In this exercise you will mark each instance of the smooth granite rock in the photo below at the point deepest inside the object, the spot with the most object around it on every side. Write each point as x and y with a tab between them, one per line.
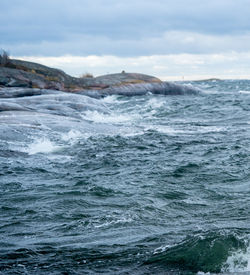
24	74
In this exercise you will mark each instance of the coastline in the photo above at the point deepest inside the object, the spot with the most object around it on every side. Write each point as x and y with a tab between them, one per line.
25	74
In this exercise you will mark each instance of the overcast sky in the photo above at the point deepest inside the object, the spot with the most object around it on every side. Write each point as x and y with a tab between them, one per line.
167	38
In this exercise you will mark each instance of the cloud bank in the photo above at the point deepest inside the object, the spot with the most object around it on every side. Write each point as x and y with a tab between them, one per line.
124	28
133	29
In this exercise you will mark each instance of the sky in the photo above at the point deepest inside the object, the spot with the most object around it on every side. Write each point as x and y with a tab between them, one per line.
170	39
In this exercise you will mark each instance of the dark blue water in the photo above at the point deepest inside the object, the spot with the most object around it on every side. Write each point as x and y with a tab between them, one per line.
126	185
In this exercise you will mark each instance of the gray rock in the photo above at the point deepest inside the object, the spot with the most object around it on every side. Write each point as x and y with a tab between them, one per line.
9	106
4	80
125	78
24	92
19	73
18	78
32	75
161	88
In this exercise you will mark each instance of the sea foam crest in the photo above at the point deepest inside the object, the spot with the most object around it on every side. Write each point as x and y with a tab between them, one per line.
42	145
110	99
71	135
239	261
155	103
107	118
244	92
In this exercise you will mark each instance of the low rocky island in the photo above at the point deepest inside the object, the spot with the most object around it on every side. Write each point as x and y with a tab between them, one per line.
24	74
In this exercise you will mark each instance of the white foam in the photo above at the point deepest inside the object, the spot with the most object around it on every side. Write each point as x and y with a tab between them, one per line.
71	135
42	146
155	103
130	132
244	92
107	118
194	130
164	129
110	99
162	248
238	262
207	129
122	220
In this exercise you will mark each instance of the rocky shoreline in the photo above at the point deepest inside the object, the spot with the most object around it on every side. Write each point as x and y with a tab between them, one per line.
24	74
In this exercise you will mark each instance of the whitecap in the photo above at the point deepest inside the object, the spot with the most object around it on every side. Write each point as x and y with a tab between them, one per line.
239	261
121	220
72	135
208	129
107	118
110	99
244	92
155	103
164	129
42	145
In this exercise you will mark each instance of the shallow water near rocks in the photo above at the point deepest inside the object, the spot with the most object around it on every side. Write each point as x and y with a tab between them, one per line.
126	185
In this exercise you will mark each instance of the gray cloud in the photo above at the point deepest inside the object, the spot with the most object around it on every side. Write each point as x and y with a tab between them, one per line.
168	43
132	27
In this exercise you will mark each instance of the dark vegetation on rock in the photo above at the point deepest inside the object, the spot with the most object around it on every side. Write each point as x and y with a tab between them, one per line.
4	59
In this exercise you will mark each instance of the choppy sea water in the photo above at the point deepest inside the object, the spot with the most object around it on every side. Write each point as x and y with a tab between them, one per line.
126	185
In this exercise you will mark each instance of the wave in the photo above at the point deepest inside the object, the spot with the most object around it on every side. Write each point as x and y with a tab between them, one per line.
221	251
194	130
73	135
244	92
42	146
239	261
98	117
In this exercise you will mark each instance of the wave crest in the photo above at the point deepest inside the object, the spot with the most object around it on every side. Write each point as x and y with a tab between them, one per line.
209	252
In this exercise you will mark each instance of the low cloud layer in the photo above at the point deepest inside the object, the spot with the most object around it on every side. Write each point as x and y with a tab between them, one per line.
167	67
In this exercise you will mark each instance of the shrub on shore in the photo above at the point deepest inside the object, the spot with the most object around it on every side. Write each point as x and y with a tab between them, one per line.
89	75
4	58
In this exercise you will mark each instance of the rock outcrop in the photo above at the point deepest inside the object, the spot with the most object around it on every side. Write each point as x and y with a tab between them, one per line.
19	73
19	78
125	78
23	74
140	89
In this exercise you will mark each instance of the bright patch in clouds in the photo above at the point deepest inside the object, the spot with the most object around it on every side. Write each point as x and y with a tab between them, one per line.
167	67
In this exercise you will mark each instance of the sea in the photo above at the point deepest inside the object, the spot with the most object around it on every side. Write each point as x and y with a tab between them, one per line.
151	184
